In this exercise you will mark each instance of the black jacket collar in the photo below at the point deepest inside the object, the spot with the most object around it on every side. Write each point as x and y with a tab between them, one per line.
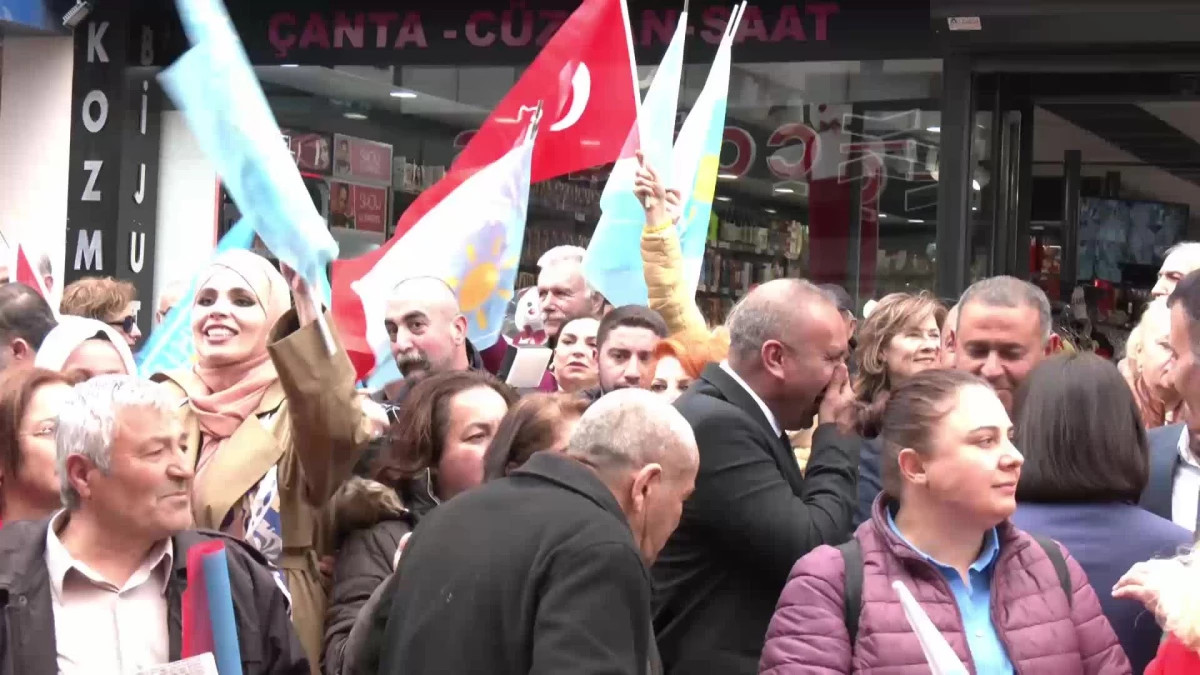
572	475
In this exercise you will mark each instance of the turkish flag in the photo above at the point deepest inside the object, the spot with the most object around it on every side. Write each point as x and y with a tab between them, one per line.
22	272
585	78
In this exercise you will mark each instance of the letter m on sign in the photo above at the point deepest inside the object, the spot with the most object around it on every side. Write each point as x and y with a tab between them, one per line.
88	253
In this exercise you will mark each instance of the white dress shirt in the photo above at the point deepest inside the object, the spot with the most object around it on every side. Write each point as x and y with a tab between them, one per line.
1185	490
102	629
766	411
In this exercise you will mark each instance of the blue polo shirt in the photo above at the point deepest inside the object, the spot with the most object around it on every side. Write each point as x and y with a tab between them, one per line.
974	603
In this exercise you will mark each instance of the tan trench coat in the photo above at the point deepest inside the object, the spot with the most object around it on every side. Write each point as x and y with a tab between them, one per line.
315	432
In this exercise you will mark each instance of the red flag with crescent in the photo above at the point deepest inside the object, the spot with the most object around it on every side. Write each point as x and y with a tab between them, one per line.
586	78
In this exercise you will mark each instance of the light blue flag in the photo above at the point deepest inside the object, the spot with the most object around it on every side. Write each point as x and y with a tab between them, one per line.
697	158
217	91
613	264
170	346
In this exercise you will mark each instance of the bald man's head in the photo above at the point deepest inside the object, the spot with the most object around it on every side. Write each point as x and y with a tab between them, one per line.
786	340
426	328
645	452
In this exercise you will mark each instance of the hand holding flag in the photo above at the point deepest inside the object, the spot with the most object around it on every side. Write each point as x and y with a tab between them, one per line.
217	91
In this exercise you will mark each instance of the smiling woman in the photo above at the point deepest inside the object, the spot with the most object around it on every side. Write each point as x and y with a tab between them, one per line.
898	340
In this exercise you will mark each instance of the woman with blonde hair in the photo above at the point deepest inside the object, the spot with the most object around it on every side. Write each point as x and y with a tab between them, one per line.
899	339
1147	354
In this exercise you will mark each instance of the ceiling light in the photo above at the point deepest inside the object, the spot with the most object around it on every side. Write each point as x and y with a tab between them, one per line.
771	211
727	176
784	191
974	208
884	215
289	65
354	116
934	130
404	94
724	199
915	220
975	185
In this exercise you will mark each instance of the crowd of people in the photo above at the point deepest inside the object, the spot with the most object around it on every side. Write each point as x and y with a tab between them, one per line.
674	498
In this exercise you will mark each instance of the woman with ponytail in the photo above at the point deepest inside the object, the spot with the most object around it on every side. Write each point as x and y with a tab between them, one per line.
1005	601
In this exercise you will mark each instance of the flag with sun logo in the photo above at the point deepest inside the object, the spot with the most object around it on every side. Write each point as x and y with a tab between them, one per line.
470	238
697	157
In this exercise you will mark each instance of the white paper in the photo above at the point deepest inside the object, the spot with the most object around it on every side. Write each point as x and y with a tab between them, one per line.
941	657
204	664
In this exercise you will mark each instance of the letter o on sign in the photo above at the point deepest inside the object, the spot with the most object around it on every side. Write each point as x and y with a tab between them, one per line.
96	123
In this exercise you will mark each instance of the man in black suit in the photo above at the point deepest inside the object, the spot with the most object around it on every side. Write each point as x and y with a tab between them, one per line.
753	514
1173	491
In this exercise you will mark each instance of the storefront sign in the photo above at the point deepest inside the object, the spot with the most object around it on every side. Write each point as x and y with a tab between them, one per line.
317	32
113	180
357	207
361	160
310	150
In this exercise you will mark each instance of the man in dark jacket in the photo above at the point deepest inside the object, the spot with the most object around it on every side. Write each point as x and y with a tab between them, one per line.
96	588
753	515
566	590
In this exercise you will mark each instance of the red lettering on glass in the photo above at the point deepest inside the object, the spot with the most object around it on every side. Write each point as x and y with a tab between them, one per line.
275	32
793	131
344	30
655	29
476	38
316	32
381	21
411	32
752	25
554	19
745	150
522	34
822	10
715	19
789	25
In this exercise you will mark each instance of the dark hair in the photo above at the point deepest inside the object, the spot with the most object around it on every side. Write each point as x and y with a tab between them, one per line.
1187	293
839	295
1072	456
17	387
532	425
630	316
907	416
24	314
419	430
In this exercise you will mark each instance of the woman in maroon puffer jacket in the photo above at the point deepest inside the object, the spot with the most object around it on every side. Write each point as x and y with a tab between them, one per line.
941	526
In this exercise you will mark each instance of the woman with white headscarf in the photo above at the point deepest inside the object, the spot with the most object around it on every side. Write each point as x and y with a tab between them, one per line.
82	348
273	424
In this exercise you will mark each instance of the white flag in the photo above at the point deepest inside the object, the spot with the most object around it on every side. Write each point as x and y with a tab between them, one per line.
941	657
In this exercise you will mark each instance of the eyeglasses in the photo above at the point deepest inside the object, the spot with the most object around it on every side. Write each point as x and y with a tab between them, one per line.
125	324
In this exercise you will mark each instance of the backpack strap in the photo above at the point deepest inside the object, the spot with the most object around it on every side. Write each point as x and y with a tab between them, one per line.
1060	565
852	590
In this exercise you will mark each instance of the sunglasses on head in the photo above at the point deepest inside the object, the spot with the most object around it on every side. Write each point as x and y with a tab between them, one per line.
125	324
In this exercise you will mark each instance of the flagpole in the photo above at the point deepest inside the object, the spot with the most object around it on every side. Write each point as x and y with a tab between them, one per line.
633	71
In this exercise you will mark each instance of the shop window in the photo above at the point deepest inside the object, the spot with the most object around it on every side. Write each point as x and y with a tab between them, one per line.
829	170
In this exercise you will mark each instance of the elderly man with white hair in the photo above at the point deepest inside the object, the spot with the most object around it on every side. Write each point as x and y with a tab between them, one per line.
545	570
96	588
563	291
1181	260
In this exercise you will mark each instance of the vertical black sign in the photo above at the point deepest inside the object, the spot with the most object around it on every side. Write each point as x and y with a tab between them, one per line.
115	134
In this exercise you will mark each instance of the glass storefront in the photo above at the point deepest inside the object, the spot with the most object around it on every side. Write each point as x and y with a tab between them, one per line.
828	169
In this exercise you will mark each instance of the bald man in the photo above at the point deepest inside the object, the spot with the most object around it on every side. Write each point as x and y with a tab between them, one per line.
565	592
427	330
753	515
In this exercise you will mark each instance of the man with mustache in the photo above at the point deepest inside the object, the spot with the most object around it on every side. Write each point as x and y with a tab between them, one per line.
96	588
427	330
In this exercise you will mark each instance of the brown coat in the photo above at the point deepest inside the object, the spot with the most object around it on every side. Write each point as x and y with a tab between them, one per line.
314	431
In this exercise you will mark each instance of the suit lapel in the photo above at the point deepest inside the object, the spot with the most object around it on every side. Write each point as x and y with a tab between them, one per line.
1164	460
736	394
